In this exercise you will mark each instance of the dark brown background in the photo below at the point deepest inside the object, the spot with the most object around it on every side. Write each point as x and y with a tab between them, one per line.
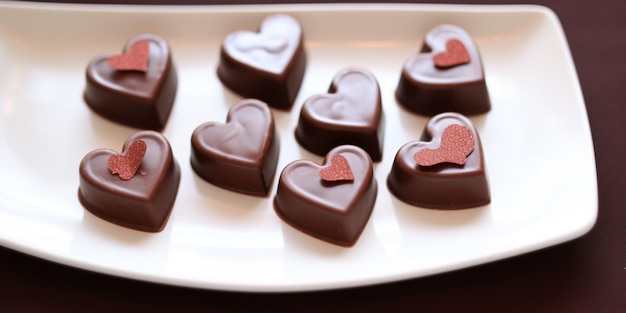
584	275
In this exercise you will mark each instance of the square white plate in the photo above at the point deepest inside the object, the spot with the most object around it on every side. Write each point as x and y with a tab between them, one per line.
536	140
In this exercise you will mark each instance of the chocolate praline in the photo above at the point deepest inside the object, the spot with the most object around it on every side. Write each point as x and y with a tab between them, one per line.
143	202
240	155
427	89
444	185
350	113
268	65
130	97
332	211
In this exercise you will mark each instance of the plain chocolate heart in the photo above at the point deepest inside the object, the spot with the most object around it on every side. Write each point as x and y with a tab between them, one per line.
444	185
333	211
270	49
240	155
350	113
268	65
143	202
140	99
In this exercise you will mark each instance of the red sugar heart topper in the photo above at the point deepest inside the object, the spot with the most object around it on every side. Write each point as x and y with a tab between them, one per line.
455	54
126	164
457	142
135	59
338	170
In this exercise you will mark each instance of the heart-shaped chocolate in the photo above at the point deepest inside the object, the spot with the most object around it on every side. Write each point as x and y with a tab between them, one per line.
268	65
144	201
333	211
240	155
350	113
120	90
446	76
445	184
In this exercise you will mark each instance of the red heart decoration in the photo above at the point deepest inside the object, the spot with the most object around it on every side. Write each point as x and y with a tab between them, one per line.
127	164
135	59
338	170
455	54
457	142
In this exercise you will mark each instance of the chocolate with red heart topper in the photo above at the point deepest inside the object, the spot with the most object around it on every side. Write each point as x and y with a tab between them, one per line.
136	88
332	202
144	197
268	65
350	113
240	155
445	169
445	76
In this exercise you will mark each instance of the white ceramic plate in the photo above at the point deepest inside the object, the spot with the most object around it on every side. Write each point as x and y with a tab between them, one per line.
536	139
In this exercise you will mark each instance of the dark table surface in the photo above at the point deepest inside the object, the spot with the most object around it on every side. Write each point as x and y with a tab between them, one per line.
587	274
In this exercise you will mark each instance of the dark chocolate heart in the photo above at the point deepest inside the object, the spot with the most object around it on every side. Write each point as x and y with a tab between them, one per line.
141	99
337	211
268	65
444	185
143	202
240	155
350	113
446	76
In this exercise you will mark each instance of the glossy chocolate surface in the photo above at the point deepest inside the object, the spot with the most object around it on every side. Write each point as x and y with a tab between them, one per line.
350	113
427	89
143	202
336	212
134	98
240	155
444	185
268	65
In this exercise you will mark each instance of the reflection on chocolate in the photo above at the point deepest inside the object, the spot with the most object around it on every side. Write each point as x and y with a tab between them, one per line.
444	185
441	79
350	113
133	97
240	155
143	202
333	211
268	65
